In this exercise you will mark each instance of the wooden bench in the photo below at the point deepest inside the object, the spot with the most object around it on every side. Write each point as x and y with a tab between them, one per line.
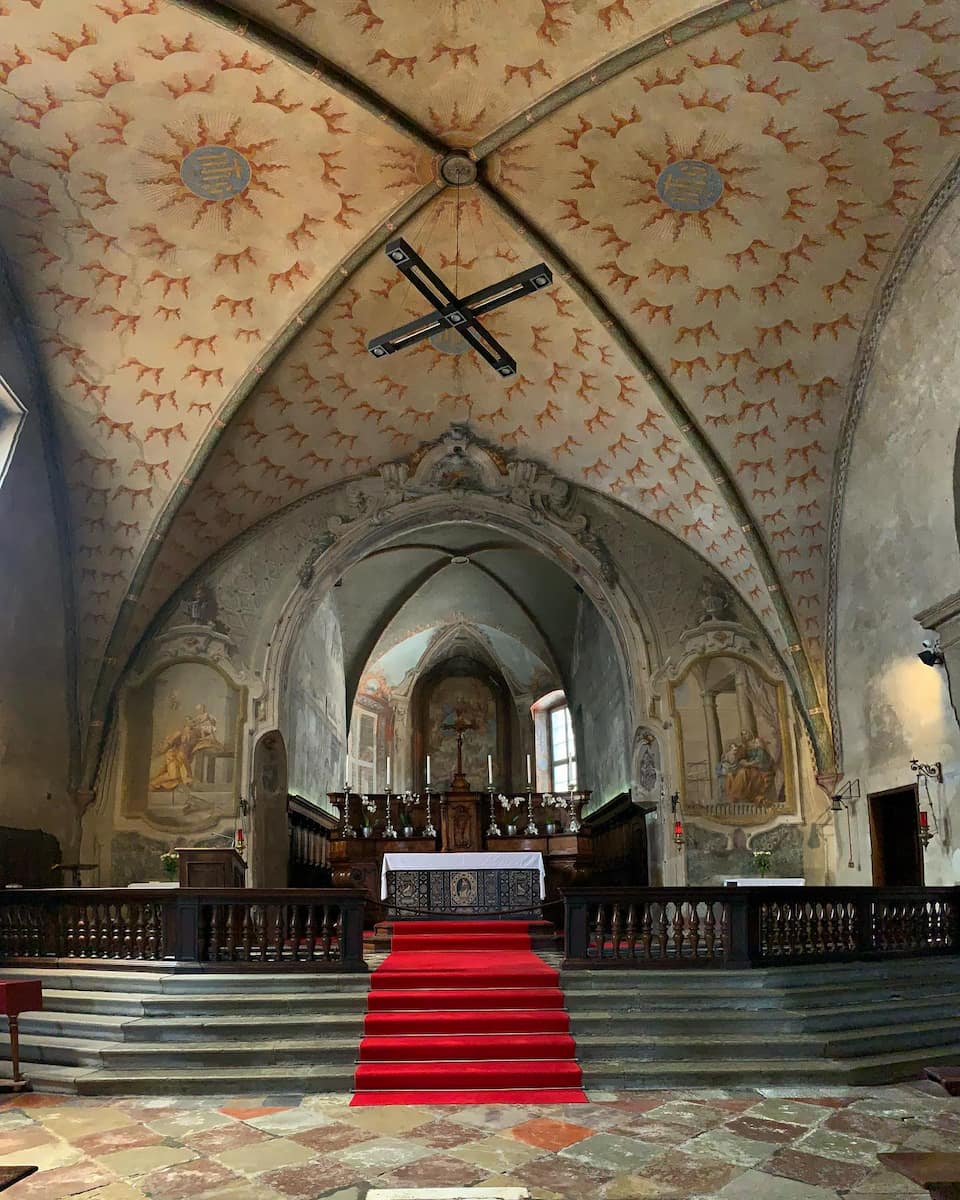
11	1175
947	1077
938	1172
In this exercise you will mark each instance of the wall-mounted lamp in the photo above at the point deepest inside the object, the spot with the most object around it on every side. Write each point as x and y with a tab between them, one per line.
926	771
931	654
677	823
841	802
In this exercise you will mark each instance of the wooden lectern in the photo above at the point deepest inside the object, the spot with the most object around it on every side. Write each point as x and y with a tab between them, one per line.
211	867
17	996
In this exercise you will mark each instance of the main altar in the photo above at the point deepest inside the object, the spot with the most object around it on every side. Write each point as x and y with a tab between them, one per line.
457	851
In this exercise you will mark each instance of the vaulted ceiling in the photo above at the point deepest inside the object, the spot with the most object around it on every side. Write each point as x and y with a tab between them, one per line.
720	191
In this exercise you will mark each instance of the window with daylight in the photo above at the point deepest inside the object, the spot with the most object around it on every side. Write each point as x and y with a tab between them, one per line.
12	414
563	750
363	750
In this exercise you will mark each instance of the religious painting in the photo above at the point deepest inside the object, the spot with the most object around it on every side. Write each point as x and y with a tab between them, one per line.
183	748
468	703
735	752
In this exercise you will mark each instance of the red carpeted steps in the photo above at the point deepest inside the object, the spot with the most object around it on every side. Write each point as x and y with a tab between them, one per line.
463	1012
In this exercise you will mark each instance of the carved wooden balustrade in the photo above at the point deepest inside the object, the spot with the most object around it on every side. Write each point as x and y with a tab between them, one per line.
716	927
224	929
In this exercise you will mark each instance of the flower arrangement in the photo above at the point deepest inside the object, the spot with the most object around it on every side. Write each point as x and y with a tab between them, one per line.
761	860
508	803
170	862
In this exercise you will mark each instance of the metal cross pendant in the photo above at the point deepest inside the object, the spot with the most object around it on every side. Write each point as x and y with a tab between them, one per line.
452	312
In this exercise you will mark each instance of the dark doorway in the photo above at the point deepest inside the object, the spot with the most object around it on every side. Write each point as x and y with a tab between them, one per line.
895	838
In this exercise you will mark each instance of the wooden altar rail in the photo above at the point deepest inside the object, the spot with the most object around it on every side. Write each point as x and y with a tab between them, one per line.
227	929
714	927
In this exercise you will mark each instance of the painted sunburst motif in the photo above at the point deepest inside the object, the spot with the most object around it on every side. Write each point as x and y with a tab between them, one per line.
213	172
689	187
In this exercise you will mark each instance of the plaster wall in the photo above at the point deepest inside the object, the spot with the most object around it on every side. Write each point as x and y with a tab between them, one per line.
313	707
34	721
899	555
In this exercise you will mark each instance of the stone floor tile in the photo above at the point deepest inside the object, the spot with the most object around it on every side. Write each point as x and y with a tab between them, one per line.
285	1101
194	1178
866	1125
242	1190
493	1116
681	1175
46	1157
880	1182
612	1152
378	1155
128	1164
181	1124
33	1100
350	1193
115	1191
58	1184
496	1153
96	1145
599	1097
328	1139
757	1129
549	1134
721	1143
290	1120
566	1178
664	1133
696	1116
224	1137
757	1185
24	1137
71	1122
304	1181
439	1171
265	1156
442	1134
389	1121
842	1146
14	1118
790	1112
814	1168
631	1187
245	1112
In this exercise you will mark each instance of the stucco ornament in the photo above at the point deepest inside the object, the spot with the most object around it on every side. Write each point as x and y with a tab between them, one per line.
459	465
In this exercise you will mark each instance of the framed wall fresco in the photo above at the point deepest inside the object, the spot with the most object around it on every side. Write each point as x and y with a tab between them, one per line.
183	728
734	747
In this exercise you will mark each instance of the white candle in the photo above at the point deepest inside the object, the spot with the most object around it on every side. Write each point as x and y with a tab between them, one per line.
489	768
388	772
428	771
348	769
528	770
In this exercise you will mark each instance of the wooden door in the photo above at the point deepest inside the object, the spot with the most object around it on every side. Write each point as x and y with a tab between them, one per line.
460	824
895	838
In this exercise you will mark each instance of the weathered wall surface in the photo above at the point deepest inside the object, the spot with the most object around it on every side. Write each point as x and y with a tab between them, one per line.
313	707
898	554
34	724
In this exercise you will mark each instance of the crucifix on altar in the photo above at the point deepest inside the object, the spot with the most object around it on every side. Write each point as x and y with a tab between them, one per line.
460	726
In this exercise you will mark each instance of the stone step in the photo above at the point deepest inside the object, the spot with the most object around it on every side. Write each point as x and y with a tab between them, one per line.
816	975
645	997
278	1080
51	1023
252	1056
207	983
282	1025
199	1005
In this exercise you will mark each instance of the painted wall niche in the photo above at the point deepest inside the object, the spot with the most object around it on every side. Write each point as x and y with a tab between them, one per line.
735	752
184	725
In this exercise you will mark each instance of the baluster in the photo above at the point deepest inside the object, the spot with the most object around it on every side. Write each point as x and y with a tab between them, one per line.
598	927
295	932
772	920
693	933
828	928
126	938
230	913
69	937
615	932
246	934
138	931
709	929
262	917
338	930
310	934
646	934
662	931
678	929
325	934
81	935
280	931
152	930
631	930
214	945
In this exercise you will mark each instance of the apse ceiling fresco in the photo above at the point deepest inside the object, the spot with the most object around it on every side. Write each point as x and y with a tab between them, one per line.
196	205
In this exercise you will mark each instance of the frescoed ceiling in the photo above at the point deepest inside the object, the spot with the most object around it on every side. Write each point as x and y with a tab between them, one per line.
195	204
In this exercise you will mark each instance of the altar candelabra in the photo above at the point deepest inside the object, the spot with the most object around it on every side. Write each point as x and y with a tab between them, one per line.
388	829
494	828
428	829
531	829
348	831
575	802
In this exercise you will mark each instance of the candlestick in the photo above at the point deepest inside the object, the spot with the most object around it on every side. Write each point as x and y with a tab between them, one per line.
494	829
531	830
428	829
388	829
490	770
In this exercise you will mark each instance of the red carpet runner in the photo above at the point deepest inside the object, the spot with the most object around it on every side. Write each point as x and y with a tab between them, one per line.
463	1012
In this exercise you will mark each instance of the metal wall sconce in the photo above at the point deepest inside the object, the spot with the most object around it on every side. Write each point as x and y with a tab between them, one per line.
926	771
841	802
677	822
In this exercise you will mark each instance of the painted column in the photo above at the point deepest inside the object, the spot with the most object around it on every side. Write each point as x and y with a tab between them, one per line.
748	721
714	740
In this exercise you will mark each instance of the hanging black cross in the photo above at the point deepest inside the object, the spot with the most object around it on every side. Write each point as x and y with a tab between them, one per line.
452	312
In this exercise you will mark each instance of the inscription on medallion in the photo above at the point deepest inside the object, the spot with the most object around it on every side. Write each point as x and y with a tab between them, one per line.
689	185
215	172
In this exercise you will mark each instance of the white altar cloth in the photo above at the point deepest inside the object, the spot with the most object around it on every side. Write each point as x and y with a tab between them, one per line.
510	860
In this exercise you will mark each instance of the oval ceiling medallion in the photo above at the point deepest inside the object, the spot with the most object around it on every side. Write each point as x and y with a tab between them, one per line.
215	172
689	185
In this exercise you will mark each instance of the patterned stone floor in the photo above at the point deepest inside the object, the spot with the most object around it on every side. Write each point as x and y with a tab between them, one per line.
750	1145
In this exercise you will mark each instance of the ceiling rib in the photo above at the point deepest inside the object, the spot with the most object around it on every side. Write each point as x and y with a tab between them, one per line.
544	245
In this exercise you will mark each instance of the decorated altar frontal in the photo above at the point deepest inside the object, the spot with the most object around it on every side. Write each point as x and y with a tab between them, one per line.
438	885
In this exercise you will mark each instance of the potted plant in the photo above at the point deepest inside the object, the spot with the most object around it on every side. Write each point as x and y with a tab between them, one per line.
404	818
761	860
170	862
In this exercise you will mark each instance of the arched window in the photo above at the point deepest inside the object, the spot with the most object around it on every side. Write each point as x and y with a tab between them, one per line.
12	414
563	749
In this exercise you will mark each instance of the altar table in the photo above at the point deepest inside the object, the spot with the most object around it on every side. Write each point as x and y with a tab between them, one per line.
463	884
